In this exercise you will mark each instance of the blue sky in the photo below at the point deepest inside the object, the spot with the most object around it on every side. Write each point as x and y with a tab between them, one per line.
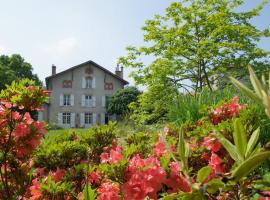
68	32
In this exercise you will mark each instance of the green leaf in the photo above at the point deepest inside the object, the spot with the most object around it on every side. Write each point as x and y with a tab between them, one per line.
181	145
89	193
232	150
252	142
203	173
245	90
214	185
239	137
255	82
250	164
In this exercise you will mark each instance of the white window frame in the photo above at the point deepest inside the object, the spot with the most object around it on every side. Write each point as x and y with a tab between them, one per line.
88	118
88	82
66	118
66	100
88	99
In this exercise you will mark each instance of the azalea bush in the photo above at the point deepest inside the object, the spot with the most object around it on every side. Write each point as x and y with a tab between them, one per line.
219	156
20	135
175	164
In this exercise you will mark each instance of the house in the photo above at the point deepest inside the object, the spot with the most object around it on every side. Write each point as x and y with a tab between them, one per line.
78	95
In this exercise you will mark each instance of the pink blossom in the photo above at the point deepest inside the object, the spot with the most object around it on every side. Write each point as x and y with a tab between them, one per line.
108	191
35	190
211	144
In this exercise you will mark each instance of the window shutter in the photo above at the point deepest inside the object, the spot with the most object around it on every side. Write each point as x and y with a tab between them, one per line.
102	118
94	118
83	82
61	100
93	101
72	100
59	119
83	100
94	82
82	119
103	101
72	120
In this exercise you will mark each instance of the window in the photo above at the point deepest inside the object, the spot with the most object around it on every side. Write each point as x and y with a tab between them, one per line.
88	118
66	100
66	118
88	82
88	100
67	84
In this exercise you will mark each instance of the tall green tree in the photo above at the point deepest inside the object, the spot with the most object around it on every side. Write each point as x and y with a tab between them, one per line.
14	67
118	103
197	43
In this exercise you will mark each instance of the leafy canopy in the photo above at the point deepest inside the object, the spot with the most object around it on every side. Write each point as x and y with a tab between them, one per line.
198	42
118	103
14	68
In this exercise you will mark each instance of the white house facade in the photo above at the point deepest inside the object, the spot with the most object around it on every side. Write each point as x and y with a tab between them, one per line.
78	95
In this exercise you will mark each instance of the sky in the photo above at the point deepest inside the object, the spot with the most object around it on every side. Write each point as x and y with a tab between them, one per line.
67	32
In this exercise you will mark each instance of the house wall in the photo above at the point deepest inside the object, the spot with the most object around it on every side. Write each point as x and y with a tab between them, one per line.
76	75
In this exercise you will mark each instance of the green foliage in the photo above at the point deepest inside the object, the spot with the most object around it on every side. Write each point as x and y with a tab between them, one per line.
62	151
100	136
152	105
248	155
118	103
262	90
142	142
89	193
14	68
69	148
198	41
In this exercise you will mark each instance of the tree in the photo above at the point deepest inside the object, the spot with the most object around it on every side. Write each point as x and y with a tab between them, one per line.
118	103
198	43
13	68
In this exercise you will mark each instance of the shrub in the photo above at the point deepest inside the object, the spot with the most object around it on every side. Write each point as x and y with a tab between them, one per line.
20	135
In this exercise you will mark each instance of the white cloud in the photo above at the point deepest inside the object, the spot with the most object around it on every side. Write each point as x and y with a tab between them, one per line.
62	47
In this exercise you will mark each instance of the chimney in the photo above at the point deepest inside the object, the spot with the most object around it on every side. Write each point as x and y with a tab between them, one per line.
53	69
119	72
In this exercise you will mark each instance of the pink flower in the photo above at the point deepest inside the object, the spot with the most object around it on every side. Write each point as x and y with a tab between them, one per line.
108	191
16	115
211	144
144	178
216	163
21	130
115	156
35	190
28	118
176	180
160	149
58	175
94	177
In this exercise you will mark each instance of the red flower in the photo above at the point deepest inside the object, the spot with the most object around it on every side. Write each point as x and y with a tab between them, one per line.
160	149
21	130
144	178
28	118
94	177
108	191
216	163
115	156
176	180
211	144
58	175
35	190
